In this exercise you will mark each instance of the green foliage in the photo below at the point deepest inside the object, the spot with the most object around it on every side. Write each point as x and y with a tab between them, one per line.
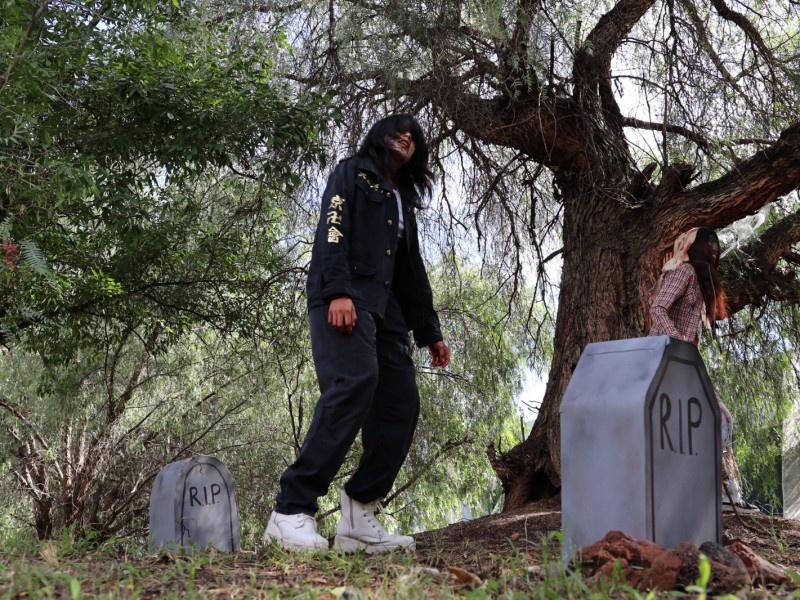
472	404
700	587
754	372
62	568
119	125
145	156
463	409
99	430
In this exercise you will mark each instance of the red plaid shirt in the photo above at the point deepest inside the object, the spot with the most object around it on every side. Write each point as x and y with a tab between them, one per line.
678	307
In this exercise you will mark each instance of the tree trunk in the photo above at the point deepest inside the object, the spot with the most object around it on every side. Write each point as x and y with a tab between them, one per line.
607	274
612	254
599	300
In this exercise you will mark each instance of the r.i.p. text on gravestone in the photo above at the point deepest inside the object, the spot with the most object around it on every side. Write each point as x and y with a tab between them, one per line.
684	452
193	505
640	445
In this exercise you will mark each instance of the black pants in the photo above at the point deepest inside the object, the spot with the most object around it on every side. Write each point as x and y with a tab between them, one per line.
367	381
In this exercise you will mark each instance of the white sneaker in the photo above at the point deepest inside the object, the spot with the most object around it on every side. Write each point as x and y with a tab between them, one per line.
358	529
294	532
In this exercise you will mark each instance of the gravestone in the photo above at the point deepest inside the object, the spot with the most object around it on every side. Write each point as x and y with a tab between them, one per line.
193	504
790	476
640	445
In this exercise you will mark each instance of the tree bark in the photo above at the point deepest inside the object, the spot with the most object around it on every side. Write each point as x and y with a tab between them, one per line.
501	87
610	268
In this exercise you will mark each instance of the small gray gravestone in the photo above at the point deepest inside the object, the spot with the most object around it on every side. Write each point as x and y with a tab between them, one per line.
791	463
640	445
193	504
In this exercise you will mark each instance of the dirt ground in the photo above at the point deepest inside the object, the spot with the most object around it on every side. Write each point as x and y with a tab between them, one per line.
458	556
473	544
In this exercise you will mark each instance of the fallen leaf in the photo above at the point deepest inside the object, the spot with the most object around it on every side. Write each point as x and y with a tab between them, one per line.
465	577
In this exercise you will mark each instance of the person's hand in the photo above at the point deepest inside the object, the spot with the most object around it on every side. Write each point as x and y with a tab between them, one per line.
440	354
667	258
342	315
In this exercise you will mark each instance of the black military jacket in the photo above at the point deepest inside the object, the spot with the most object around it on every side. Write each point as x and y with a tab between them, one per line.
357	252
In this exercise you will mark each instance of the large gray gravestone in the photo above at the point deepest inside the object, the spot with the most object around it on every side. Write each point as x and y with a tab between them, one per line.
791	463
640	445
193	504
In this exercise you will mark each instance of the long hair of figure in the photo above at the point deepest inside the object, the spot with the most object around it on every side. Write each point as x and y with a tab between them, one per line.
704	256
414	179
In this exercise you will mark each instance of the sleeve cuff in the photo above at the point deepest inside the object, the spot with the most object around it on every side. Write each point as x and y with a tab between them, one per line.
424	339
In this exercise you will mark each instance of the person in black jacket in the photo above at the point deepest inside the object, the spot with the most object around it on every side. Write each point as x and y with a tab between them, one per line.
367	288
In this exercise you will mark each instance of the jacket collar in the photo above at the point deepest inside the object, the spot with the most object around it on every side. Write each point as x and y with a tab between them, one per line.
366	164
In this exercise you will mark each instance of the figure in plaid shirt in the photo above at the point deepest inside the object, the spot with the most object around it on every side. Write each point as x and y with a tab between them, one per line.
688	295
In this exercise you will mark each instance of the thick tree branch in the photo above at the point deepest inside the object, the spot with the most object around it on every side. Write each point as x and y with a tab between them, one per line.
745	25
612	28
754	274
754	183
592	67
695	137
544	130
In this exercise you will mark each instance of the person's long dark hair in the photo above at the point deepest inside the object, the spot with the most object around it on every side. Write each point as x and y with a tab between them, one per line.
414	179
704	257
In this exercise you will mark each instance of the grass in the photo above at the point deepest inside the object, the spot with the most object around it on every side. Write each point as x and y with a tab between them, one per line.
68	569
62	569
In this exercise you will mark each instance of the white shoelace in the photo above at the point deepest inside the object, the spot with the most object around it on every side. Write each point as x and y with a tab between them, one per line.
303	519
370	508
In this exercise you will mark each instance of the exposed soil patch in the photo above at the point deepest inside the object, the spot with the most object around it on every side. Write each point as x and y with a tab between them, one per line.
509	548
483	542
480	545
